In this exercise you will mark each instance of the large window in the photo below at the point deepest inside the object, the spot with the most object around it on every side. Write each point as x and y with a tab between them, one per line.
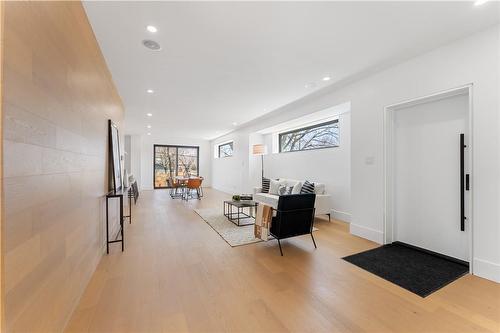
226	149
173	161
324	135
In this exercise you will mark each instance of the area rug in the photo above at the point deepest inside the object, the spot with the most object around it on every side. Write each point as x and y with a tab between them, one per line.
231	233
416	270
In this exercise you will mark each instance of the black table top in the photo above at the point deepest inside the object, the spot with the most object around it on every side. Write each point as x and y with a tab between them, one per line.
242	203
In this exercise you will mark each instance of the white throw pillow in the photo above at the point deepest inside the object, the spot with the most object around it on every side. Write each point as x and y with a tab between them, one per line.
274	186
296	188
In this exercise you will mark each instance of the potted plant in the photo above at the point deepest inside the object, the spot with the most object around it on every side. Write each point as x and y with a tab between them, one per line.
236	197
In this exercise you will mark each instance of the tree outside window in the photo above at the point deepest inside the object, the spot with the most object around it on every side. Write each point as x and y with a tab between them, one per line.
324	135
226	149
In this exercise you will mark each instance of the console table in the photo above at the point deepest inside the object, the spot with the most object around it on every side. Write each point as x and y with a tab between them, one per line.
119	195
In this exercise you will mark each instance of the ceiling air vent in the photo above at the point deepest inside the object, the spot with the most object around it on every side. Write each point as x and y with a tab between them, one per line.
151	44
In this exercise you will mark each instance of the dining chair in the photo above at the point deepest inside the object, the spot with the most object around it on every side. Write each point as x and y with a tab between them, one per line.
174	188
201	187
193	184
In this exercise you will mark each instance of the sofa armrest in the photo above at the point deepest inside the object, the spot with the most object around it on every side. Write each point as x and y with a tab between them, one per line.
323	204
257	190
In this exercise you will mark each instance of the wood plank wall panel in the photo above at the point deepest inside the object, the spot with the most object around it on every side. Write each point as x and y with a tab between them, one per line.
2	321
58	95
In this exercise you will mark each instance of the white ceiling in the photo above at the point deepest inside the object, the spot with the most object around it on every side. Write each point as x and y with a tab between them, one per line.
231	62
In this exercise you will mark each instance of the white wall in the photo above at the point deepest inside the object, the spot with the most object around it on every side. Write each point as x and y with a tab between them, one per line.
230	174
135	158
470	60
241	172
331	166
146	157
126	157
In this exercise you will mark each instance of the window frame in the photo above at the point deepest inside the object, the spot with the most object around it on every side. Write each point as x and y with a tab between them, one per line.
231	143
176	162
321	124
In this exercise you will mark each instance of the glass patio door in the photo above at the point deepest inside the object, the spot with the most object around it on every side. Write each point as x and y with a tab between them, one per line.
172	161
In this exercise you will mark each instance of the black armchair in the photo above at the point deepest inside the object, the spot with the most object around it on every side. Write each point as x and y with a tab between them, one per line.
294	217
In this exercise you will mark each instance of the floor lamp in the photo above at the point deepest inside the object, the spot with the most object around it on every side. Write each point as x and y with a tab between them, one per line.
260	149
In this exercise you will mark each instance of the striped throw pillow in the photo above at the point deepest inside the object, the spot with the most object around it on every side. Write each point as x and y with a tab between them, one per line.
266	182
307	187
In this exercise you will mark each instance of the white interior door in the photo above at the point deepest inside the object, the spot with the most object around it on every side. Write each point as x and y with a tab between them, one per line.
426	179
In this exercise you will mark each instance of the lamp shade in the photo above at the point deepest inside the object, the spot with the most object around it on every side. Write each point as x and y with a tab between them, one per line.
259	149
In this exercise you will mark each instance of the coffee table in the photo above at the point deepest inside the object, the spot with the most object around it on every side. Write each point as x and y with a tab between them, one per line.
239	214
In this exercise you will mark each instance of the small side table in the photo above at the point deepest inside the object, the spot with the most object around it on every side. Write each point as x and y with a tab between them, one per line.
240	206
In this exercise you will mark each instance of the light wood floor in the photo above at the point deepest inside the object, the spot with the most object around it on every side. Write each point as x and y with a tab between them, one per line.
178	275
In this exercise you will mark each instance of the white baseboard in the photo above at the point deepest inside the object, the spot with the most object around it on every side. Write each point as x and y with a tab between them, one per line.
486	269
342	216
223	189
367	233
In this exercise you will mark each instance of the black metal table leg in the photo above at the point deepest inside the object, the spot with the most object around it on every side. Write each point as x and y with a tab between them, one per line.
238	218
121	221
130	207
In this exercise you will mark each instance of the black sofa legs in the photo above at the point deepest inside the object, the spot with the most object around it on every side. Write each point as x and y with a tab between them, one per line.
329	217
314	242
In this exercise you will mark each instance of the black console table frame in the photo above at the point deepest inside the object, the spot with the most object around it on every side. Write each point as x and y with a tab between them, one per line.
118	194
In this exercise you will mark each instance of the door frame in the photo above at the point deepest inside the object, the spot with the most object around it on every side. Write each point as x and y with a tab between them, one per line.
389	160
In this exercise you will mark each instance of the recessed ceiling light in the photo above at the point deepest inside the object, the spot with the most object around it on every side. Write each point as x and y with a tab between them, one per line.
150	91
149	114
151	28
327	78
480	2
149	133
151	44
235	123
149	126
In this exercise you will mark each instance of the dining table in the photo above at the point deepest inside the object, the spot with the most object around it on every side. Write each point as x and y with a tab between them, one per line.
182	181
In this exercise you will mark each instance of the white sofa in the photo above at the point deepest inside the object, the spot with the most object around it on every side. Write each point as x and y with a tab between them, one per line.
321	205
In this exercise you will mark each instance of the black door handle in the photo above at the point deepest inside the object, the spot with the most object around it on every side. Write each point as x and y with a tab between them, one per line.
462	178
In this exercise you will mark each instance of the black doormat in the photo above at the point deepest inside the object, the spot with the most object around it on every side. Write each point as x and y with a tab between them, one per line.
419	271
